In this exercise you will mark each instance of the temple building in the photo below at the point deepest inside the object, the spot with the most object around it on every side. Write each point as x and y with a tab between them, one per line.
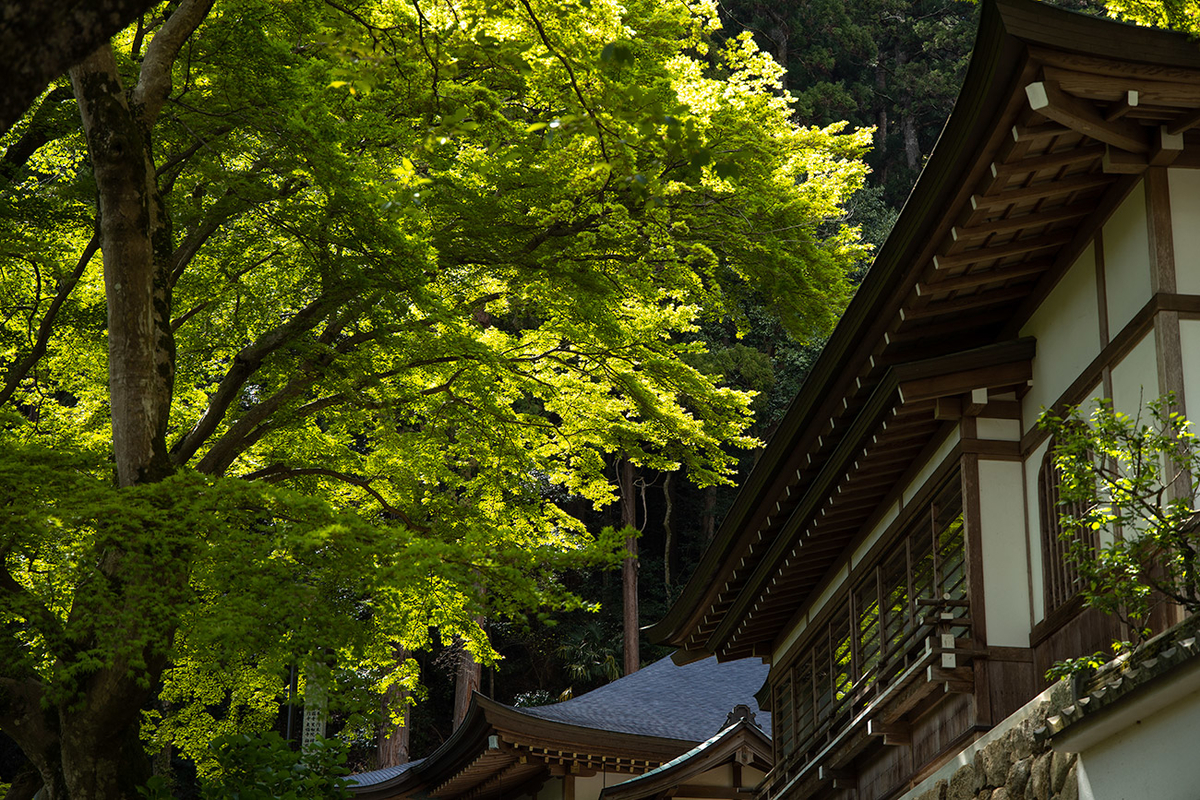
895	553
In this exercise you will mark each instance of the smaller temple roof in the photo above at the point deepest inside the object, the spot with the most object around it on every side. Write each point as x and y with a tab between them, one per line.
631	725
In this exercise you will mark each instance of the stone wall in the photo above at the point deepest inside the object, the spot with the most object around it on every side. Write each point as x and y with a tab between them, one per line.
1020	765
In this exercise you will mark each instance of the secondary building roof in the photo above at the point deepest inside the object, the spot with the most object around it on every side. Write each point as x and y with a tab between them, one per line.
631	726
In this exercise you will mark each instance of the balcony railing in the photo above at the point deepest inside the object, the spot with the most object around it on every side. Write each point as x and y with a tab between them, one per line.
930	657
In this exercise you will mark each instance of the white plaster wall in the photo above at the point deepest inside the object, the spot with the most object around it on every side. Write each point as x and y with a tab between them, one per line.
1189	335
721	775
1135	378
1004	430
1067	328
1185	212
1005	573
916	484
1126	260
1033	527
1153	758
888	518
589	788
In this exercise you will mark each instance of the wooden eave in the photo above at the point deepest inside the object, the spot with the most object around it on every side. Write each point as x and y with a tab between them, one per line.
742	743
1059	115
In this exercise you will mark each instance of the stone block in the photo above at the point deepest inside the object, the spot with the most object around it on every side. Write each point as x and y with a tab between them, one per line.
938	792
997	760
1060	765
1070	789
1038	787
1020	742
1018	777
962	783
1001	793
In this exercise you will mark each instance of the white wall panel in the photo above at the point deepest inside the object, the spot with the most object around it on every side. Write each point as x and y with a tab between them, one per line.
1005	573
1189	336
1033	527
1126	260
1067	328
1185	224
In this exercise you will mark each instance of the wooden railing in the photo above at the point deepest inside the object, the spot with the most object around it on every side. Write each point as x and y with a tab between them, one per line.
929	657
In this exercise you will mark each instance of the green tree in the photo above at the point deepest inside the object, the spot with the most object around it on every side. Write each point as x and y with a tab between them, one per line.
379	283
1129	508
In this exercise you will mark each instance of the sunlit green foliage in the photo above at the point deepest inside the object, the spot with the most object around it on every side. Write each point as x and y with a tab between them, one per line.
434	263
1131	480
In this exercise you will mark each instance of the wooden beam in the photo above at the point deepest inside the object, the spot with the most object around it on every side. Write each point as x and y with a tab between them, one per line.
947	408
963	382
952	326
711	792
1063	158
840	778
962	303
1006	250
1046	98
1165	148
1122	162
970	280
1025	133
1184	122
1039	191
1122	106
893	735
1015	224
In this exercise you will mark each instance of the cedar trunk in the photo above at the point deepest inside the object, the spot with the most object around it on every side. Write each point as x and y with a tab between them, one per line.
629	570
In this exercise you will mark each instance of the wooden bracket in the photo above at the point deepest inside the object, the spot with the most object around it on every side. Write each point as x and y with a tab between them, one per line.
894	734
1049	100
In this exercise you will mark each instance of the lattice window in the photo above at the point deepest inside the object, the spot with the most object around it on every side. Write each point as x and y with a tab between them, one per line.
1060	571
785	726
876	629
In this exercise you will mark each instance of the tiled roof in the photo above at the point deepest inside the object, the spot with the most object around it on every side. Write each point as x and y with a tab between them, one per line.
690	702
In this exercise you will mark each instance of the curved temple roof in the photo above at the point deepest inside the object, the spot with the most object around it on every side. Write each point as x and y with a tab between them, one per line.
1059	116
632	725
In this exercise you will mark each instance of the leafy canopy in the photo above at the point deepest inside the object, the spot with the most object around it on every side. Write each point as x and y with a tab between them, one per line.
431	264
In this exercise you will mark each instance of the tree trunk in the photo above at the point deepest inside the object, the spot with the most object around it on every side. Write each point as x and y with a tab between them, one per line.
85	743
908	122
135	238
470	675
708	519
881	116
393	740
629	569
668	534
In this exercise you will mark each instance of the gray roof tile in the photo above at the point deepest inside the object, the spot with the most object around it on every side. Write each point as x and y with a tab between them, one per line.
690	702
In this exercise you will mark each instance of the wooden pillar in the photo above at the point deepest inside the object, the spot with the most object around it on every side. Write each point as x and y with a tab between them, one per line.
973	546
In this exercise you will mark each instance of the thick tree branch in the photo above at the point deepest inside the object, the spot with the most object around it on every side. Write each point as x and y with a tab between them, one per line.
46	328
244	365
278	472
53	119
154	80
39	41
